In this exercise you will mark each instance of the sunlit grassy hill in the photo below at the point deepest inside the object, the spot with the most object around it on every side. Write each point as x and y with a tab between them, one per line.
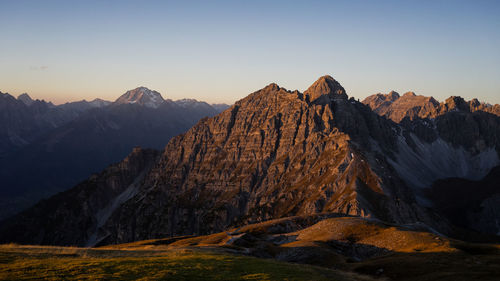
320	247
155	263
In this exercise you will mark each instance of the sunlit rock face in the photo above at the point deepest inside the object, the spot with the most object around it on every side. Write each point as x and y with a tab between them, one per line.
412	106
325	89
279	153
448	152
456	138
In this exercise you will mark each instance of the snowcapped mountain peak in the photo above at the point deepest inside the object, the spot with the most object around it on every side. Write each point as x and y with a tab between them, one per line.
142	96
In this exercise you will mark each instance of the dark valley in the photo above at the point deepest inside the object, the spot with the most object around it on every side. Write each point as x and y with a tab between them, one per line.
48	148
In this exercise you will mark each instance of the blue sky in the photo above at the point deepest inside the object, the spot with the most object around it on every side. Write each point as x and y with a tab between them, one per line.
220	51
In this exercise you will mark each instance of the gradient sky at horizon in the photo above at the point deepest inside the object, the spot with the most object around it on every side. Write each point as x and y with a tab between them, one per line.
220	51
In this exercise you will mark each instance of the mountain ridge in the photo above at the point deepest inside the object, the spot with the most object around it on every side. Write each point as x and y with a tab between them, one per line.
279	153
58	146
396	107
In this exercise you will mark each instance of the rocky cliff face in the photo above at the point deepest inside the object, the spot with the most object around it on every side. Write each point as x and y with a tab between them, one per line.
73	217
412	106
396	107
273	154
279	153
459	183
465	135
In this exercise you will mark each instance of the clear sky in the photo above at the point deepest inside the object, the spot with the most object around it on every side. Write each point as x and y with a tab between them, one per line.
220	51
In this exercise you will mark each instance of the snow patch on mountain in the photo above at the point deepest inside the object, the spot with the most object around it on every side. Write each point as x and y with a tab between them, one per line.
142	96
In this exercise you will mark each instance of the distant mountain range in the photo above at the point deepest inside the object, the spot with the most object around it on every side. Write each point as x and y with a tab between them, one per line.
45	148
23	120
412	106
280	153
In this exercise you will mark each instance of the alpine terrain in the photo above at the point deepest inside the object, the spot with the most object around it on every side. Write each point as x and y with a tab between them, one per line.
50	148
280	153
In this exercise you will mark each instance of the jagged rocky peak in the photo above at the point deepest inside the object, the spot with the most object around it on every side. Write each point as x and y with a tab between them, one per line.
273	154
271	87
397	107
142	96
324	89
419	99
270	90
474	103
26	99
375	101
456	103
393	95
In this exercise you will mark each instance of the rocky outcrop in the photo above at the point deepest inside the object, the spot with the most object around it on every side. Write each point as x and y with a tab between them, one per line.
279	153
414	106
397	107
324	90
468	125
273	154
73	217
459	182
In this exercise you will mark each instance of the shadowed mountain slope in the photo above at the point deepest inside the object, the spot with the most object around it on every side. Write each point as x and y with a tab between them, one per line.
273	154
100	135
24	120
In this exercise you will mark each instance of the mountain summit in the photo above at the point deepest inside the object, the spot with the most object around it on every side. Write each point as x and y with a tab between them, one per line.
142	96
414	106
273	154
26	99
325	88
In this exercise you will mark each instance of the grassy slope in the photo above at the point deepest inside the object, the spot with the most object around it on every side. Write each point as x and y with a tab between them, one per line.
399	254
410	254
66	263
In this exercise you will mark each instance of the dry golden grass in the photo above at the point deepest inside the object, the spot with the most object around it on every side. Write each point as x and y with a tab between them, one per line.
400	254
361	231
68	263
384	252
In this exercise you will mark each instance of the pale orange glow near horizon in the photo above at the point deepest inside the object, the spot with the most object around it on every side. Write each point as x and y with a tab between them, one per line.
64	52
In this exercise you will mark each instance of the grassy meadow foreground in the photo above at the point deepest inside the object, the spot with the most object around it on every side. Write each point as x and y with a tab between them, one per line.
322	247
155	263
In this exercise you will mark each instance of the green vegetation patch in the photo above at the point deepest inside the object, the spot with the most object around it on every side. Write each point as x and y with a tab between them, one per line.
59	263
